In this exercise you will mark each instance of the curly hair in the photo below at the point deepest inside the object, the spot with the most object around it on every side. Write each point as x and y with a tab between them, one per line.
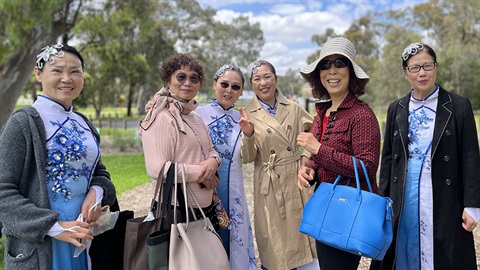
179	61
356	86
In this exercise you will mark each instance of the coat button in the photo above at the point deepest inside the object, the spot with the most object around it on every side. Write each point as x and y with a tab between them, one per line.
395	133
272	151
269	130
395	179
448	132
395	156
446	158
289	148
289	127
448	182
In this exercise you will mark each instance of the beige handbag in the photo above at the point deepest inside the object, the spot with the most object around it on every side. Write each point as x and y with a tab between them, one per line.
194	244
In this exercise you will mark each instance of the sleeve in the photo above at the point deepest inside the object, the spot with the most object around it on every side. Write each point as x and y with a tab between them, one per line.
101	178
307	120
249	148
386	164
23	218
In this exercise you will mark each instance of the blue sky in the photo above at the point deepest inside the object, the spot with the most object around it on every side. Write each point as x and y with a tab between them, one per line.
289	25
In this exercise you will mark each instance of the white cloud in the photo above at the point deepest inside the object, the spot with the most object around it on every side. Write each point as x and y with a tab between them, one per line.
288	26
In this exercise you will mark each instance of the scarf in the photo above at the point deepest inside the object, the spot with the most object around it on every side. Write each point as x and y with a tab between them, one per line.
163	99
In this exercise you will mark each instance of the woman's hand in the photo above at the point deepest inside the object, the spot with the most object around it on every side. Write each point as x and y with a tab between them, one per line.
305	174
90	209
309	142
468	222
245	124
207	174
74	233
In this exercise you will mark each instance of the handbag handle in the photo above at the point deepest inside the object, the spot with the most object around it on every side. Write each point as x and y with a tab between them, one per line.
187	190
357	177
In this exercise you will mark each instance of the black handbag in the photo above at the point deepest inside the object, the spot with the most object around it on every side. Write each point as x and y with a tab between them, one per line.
106	250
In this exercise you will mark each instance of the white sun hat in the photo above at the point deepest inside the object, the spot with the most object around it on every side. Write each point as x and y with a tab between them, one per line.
337	45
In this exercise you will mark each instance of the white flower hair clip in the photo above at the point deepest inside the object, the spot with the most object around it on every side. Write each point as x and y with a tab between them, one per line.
47	52
412	49
224	68
256	65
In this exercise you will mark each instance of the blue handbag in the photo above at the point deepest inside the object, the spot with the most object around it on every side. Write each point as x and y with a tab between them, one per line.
350	219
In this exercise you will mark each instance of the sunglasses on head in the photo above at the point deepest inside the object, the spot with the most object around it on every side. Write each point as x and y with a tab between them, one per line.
182	77
338	63
234	86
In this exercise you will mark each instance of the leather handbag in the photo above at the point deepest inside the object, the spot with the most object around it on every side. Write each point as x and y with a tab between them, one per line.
348	218
138	229
194	244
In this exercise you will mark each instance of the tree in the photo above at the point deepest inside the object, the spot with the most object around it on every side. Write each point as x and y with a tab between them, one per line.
25	27
453	27
215	43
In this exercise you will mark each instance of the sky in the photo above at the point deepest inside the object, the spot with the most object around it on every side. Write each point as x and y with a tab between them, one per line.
288	25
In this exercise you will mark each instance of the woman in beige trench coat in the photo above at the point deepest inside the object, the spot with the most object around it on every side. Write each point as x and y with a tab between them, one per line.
271	124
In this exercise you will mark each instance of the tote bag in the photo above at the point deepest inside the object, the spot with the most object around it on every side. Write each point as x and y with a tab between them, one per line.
137	229
195	244
350	219
158	242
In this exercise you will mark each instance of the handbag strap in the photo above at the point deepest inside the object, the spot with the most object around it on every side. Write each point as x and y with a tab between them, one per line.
364	168
187	191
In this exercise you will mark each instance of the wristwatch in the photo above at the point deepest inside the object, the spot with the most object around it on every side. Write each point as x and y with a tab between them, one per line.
219	160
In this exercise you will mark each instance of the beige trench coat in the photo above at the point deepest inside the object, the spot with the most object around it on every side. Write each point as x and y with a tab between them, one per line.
278	203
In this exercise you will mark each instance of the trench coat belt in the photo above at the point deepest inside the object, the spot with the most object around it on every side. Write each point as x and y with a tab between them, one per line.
269	168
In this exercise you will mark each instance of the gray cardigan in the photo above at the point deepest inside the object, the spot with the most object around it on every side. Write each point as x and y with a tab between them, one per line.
24	205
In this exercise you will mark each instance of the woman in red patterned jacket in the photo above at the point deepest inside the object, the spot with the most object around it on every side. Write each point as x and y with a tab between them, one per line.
343	127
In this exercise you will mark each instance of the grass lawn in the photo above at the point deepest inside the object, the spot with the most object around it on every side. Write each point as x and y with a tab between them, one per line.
126	171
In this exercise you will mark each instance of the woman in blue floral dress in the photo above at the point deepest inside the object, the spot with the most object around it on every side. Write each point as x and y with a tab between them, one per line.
222	120
53	182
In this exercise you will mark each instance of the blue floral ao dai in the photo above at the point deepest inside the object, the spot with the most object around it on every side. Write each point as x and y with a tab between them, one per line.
72	153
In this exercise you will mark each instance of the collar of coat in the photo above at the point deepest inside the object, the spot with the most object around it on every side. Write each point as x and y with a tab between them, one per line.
348	102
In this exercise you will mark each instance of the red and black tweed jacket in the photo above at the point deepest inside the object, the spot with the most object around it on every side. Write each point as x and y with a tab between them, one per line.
352	130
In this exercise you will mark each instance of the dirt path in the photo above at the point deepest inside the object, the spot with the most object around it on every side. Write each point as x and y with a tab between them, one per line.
138	199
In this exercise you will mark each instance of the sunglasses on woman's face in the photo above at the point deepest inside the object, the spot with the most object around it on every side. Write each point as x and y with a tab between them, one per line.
338	63
234	86
182	77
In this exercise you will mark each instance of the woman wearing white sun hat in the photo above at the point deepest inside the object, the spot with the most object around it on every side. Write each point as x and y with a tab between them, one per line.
344	126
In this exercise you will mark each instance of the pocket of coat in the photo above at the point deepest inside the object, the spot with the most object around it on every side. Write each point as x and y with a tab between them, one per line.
20	255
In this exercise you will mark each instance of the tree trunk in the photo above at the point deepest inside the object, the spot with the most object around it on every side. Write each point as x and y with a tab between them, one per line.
18	67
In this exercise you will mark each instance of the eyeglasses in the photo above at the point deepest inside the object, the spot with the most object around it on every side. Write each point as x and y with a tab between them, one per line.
416	68
234	86
182	77
338	63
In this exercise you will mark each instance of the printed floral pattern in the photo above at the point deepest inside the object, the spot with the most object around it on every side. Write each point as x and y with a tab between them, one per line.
419	123
220	132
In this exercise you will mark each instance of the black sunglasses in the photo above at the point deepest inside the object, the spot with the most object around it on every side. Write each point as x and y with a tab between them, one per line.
182	77
338	63
234	86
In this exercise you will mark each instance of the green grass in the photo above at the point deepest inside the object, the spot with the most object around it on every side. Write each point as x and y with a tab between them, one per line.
126	171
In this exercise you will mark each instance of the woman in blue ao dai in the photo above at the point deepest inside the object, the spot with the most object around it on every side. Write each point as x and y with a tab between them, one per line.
222	120
46	212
